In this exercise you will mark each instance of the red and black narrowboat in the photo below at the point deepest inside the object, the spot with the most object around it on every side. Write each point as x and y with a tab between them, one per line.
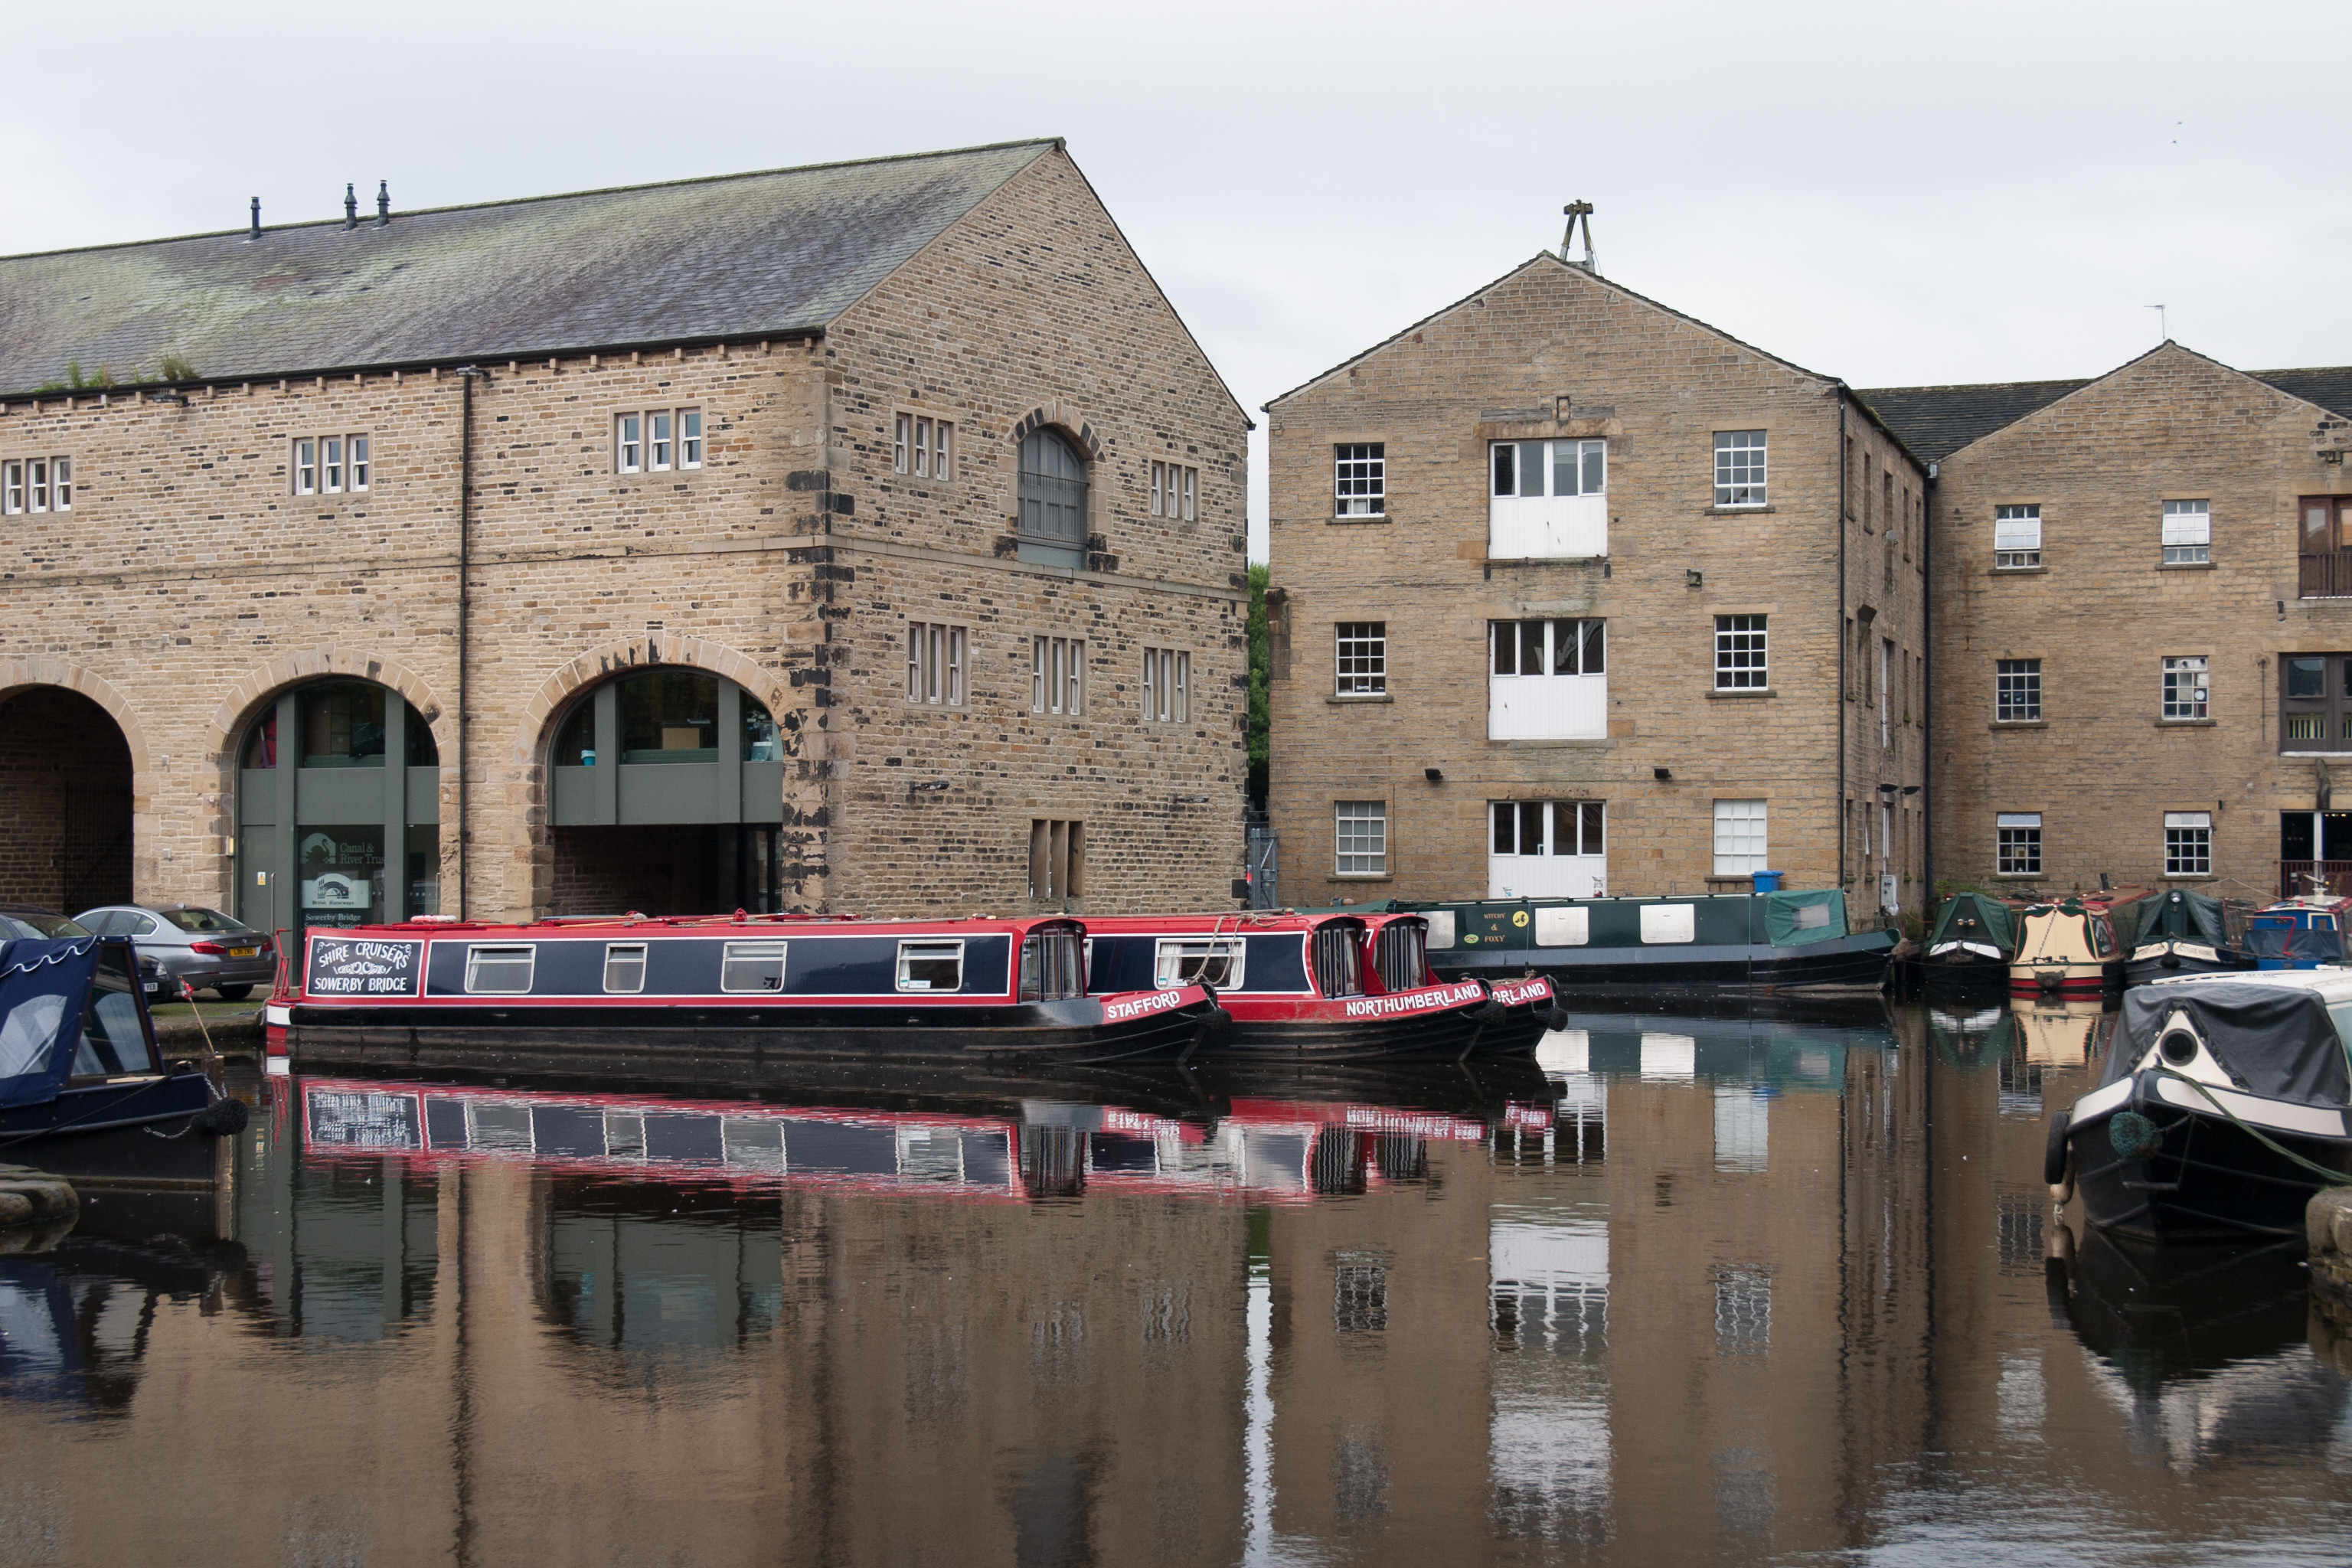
652	995
1326	987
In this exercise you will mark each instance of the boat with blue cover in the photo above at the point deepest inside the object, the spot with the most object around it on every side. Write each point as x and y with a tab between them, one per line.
650	995
1784	942
82	1085
2298	933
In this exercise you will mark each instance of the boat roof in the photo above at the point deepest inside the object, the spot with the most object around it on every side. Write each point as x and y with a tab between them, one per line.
1245	923
431	926
2332	983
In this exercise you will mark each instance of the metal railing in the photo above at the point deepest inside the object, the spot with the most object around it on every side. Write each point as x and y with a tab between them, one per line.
2324	574
1263	893
2331	878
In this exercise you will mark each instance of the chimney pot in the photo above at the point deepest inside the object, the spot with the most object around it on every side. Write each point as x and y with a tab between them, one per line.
383	203
350	207
254	233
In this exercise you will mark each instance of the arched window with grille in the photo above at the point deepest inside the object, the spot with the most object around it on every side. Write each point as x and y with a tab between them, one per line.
1053	526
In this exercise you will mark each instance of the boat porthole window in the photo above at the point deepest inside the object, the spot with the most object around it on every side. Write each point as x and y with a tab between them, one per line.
931	967
625	966
500	971
2179	1047
752	966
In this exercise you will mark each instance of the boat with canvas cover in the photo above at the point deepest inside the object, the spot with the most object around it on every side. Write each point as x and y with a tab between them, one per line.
2175	933
1328	988
1972	942
2221	1108
2066	949
652	995
1792	943
2298	933
82	1087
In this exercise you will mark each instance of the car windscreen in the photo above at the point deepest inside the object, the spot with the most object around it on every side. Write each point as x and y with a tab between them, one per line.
196	919
55	927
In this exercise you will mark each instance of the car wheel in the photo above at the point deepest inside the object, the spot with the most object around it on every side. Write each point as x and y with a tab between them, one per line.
233	992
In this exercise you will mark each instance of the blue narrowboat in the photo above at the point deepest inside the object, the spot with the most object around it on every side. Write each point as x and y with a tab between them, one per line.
2298	933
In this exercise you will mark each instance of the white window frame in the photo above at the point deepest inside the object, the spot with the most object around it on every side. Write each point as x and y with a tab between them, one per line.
1590	829
1192	493
902	444
2017	538
1180	961
2188	688
1369	644
1167	685
933	950
2187	534
356	452
1742	836
37	484
618	953
12	486
2020	701
1057	675
936	662
1742	477
660	432
1360	479
748	952
330	465
1740	665
2017	844
500	953
1587	453
1368	837
628	443
61	479
2187	843
922	447
690	438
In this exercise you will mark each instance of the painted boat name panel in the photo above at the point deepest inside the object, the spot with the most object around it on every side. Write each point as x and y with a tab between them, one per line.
369	967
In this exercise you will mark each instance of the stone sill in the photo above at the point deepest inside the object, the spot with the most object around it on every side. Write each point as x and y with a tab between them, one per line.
2338	756
1568	742
2184	565
1999	724
1361	876
1361	697
2020	876
1342	521
1739	511
1741	693
1543	560
2186	723
2019	571
2188	877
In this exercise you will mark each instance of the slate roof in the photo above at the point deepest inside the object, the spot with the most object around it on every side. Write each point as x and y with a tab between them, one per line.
1935	422
736	256
2330	386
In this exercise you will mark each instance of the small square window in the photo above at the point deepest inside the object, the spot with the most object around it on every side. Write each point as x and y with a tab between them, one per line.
751	966
2188	688
1739	468
1741	662
1360	479
931	967
2016	537
1363	658
1739	837
935	664
1056	674
625	967
2019	846
500	971
1362	835
2188	539
1166	681
2187	843
2017	691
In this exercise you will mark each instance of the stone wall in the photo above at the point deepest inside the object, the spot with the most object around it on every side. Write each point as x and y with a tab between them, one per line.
1550	350
2102	766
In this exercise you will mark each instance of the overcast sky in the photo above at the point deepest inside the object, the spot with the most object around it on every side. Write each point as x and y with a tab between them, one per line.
1893	195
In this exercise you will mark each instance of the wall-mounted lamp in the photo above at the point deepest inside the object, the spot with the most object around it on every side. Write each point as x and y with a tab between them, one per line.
1434	775
1695	578
1663	775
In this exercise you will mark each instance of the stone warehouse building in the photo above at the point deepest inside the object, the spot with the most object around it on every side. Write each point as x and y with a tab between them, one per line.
1573	593
860	537
2142	647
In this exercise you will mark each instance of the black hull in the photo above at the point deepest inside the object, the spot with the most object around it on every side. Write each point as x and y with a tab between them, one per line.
136	1132
1965	975
679	1041
1843	966
2140	970
2210	1180
1451	1036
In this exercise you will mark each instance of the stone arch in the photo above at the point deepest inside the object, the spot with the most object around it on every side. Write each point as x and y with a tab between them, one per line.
534	734
18	673
1068	418
244	699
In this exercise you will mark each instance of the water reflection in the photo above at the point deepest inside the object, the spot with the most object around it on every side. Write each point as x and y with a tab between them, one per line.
1747	1288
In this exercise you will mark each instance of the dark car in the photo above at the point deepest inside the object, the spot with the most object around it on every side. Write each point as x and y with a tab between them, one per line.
29	920
202	949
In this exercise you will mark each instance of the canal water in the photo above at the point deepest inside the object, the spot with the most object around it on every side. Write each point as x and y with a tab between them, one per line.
1729	1289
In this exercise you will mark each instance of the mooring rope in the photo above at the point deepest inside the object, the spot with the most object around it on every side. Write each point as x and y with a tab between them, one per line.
2335	1178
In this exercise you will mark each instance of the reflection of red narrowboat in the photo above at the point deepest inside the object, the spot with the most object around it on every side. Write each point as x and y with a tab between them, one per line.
1330	987
646	996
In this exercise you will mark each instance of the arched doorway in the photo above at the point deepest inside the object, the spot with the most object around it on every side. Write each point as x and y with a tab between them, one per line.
666	797
338	809
65	794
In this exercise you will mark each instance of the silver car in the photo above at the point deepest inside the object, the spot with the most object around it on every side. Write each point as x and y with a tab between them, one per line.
201	949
